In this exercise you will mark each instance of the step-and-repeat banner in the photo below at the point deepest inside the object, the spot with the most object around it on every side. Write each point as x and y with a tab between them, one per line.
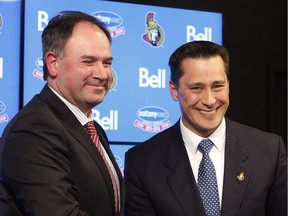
139	105
10	20
144	36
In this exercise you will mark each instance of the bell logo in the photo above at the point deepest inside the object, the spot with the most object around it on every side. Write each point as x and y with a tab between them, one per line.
192	34
42	20
107	122
1	68
153	81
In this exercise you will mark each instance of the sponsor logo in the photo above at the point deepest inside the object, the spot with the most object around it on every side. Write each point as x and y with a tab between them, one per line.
107	122
193	34
154	34
152	119
3	117
112	21
153	81
38	71
2	107
43	19
39	63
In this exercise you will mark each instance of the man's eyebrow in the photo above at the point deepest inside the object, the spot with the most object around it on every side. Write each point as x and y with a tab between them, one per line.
88	57
95	58
201	83
109	59
219	81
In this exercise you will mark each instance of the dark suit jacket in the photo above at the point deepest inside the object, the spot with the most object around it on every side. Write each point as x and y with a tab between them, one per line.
50	166
159	179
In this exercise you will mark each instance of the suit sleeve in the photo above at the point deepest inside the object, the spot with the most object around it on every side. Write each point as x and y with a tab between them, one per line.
277	200
36	168
137	200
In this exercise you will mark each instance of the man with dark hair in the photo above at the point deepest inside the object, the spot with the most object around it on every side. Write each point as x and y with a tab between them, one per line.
206	164
49	165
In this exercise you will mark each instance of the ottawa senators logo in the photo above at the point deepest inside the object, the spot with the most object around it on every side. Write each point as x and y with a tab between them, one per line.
154	33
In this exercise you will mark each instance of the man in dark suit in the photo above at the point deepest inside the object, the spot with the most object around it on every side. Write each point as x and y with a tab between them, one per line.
161	175
49	164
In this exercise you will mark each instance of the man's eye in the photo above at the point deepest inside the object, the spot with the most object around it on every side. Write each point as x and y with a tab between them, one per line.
88	62
107	64
218	86
196	88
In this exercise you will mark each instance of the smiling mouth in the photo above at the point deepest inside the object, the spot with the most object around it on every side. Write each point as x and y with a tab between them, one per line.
98	86
207	112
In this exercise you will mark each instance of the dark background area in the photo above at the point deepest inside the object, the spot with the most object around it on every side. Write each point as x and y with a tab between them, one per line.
255	34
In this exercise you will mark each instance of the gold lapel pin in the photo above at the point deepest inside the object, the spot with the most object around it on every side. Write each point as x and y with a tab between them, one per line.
240	177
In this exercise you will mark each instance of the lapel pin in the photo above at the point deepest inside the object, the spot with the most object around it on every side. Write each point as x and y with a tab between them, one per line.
240	177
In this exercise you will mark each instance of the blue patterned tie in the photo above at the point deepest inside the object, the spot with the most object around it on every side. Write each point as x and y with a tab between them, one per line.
207	182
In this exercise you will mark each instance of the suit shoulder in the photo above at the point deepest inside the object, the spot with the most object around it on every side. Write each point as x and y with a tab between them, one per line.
159	141
252	134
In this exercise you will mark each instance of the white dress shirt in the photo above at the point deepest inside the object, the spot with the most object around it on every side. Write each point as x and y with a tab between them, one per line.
191	141
83	120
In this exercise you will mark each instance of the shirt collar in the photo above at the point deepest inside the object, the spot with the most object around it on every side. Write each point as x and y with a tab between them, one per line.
83	119
192	140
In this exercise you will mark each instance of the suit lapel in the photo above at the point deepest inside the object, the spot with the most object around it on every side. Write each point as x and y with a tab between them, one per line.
73	126
236	174
85	140
76	130
181	179
112	158
103	140
183	185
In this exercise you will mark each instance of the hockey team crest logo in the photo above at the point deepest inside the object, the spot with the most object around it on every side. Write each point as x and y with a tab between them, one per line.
154	33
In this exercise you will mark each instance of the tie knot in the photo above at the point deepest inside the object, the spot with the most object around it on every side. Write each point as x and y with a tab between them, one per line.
90	128
205	146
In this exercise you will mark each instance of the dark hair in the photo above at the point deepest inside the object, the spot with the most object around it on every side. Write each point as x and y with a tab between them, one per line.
196	50
59	30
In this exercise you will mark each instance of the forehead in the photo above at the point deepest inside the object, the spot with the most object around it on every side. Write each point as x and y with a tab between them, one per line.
87	36
204	68
82	27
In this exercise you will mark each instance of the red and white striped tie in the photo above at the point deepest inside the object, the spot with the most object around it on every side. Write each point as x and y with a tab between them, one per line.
90	128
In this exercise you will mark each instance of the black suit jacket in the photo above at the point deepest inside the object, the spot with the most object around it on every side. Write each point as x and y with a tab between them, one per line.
50	166
159	179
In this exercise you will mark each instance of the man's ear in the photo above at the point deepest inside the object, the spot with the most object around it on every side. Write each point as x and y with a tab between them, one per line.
51	61
173	90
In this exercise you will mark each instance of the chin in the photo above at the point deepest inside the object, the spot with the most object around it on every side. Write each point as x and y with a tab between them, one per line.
210	125
95	102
